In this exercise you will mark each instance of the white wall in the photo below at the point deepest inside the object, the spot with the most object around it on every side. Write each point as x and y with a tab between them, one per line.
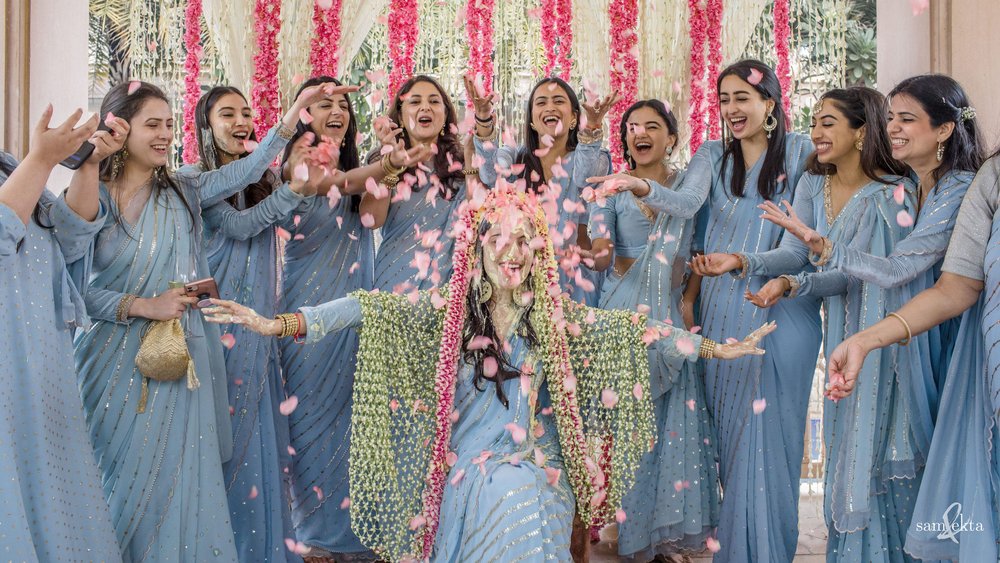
904	44
58	64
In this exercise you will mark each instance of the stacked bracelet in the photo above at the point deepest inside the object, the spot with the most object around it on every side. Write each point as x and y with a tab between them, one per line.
470	171
793	285
392	173
587	136
289	324
744	266
121	313
285	132
825	255
707	348
906	325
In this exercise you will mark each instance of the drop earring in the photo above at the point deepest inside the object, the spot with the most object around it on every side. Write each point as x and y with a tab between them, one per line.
859	144
770	123
940	152
485	291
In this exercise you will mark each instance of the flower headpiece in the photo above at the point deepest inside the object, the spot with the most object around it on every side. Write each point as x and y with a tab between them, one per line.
966	113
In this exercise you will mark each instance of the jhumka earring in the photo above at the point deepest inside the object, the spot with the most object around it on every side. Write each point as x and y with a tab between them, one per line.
940	152
118	162
485	291
770	123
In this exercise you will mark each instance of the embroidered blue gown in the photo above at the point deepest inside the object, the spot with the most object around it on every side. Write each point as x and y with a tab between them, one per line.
53	507
417	227
876	439
961	479
760	455
242	250
162	468
565	211
333	257
506	511
674	503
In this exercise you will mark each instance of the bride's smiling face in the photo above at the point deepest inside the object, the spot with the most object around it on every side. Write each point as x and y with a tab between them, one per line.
507	253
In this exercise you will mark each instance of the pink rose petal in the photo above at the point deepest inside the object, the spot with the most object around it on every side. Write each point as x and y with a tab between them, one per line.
291	450
755	77
919	6
368	220
690	404
451	459
283	234
253	492
619	516
301	172
904	219
346	503
517	433
713	545
133	86
759	405
288	405
305	117
569	383
418	522
228	340
637	391
319	492
457	477
899	194
685	346
552	475
609	398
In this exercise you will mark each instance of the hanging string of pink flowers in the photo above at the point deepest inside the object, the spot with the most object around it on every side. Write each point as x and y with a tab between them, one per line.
624	22
698	24
479	26
565	31
192	74
782	32
548	26
714	13
323	56
402	37
264	96
557	36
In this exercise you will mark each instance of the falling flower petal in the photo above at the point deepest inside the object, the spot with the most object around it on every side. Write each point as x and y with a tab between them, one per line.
619	516
319	492
457	477
291	450
305	117
489	366
301	172
525	384
919	6
134	85
368	220
552	475
569	383
759	405
637	391
690	404
228	340
253	492
598	498
685	346
346	503
755	77
418	522
517	433
899	194
713	545
451	459
288	405
283	234
904	219
609	398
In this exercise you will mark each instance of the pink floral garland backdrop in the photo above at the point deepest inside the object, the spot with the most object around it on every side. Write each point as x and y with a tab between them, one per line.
479	26
265	97
698	23
624	19
402	37
782	32
323	57
557	30
192	74
714	16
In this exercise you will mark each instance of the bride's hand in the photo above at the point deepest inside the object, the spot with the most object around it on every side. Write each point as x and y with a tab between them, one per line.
230	312
746	347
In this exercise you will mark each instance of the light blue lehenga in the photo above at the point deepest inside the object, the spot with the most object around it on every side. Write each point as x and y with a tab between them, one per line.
565	212
333	257
760	454
499	507
242	249
876	439
674	504
53	507
961	479
418	226
161	468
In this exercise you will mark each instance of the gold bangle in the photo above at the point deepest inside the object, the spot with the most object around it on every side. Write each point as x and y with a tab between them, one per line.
285	132
389	169
793	285
707	348
121	313
744	265
825	255
587	136
470	171
492	136
289	324
906	325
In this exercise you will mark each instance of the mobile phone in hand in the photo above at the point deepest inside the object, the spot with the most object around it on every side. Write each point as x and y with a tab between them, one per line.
202	289
81	155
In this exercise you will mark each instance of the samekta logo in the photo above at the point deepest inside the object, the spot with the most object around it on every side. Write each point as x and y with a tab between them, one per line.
952	523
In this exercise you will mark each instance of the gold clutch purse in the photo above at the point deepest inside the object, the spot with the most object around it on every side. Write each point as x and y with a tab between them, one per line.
163	356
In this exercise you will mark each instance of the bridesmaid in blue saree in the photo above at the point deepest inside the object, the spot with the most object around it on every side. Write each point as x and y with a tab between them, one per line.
558	155
160	445
957	515
760	454
934	135
54	508
645	231
242	247
329	255
852	195
503	479
415	203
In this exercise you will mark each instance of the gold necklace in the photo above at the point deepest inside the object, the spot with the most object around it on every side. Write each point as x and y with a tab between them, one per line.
828	201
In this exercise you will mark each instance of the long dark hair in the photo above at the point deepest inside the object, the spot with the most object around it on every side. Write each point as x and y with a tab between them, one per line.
944	100
479	323
863	107
447	144
126	105
773	166
533	174
349	158
209	154
665	114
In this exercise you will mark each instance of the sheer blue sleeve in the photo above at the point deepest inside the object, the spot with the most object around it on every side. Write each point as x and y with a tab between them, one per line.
74	234
792	255
683	202
248	223
822	284
216	185
920	250
497	160
331	316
